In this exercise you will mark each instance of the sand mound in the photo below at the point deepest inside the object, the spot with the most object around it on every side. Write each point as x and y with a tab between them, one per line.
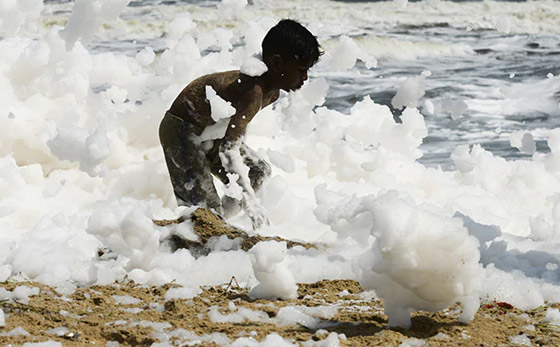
207	225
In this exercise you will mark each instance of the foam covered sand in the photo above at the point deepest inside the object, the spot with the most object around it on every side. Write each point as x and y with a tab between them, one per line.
83	175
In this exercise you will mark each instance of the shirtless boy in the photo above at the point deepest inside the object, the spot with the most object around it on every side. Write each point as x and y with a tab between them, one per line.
288	51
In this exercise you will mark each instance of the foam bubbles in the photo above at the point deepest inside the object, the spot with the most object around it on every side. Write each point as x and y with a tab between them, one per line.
409	93
283	161
455	107
421	259
401	3
87	16
181	25
253	66
275	280
15	14
503	24
231	7
89	149
219	107
552	316
346	53
146	56
524	142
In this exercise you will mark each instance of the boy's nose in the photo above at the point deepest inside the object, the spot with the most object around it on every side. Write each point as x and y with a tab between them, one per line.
305	76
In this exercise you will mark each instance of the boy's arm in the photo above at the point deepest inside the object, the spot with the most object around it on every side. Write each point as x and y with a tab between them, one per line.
232	160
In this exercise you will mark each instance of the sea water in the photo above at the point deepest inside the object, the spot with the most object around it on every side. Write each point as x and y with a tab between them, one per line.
423	151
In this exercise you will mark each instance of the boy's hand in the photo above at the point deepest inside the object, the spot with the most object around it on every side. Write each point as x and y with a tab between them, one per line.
257	215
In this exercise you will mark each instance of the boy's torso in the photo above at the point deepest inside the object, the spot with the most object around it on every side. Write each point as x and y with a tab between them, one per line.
192	106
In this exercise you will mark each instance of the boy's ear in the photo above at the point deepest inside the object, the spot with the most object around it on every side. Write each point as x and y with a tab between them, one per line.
276	61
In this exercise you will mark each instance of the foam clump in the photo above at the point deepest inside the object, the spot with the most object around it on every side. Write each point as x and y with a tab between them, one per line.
541	228
403	138
146	56
57	253
270	340
182	293
332	340
181	25
231	7
128	232
90	149
219	107
233	189
253	33
253	66
503	24
401	3
552	316
523	141
14	14
345	55
309	317
87	16
413	342
237	316
283	161
421	259
218	37
18	331
19	294
462	159
522	340
2	319
275	279
409	93
454	107
126	300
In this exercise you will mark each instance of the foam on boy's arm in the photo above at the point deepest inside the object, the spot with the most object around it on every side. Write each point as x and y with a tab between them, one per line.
232	162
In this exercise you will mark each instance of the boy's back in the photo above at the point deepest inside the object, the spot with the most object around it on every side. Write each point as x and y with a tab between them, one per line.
240	90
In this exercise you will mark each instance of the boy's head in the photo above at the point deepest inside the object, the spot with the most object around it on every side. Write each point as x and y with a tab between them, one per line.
291	40
289	50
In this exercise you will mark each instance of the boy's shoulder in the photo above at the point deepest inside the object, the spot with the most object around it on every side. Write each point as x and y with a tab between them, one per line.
230	85
216	80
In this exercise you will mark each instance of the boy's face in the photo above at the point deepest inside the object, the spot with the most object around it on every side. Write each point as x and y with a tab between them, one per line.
294	74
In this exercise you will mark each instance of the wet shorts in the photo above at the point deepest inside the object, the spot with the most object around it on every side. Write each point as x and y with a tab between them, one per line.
193	164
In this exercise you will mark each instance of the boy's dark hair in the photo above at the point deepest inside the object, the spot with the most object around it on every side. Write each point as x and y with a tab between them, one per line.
291	40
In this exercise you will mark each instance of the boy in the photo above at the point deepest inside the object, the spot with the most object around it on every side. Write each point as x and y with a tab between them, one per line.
288	51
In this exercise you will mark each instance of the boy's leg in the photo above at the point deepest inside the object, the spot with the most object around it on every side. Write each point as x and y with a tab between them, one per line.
259	169
188	168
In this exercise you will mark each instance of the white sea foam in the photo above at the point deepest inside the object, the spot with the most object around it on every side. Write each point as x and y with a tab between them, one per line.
82	169
275	280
